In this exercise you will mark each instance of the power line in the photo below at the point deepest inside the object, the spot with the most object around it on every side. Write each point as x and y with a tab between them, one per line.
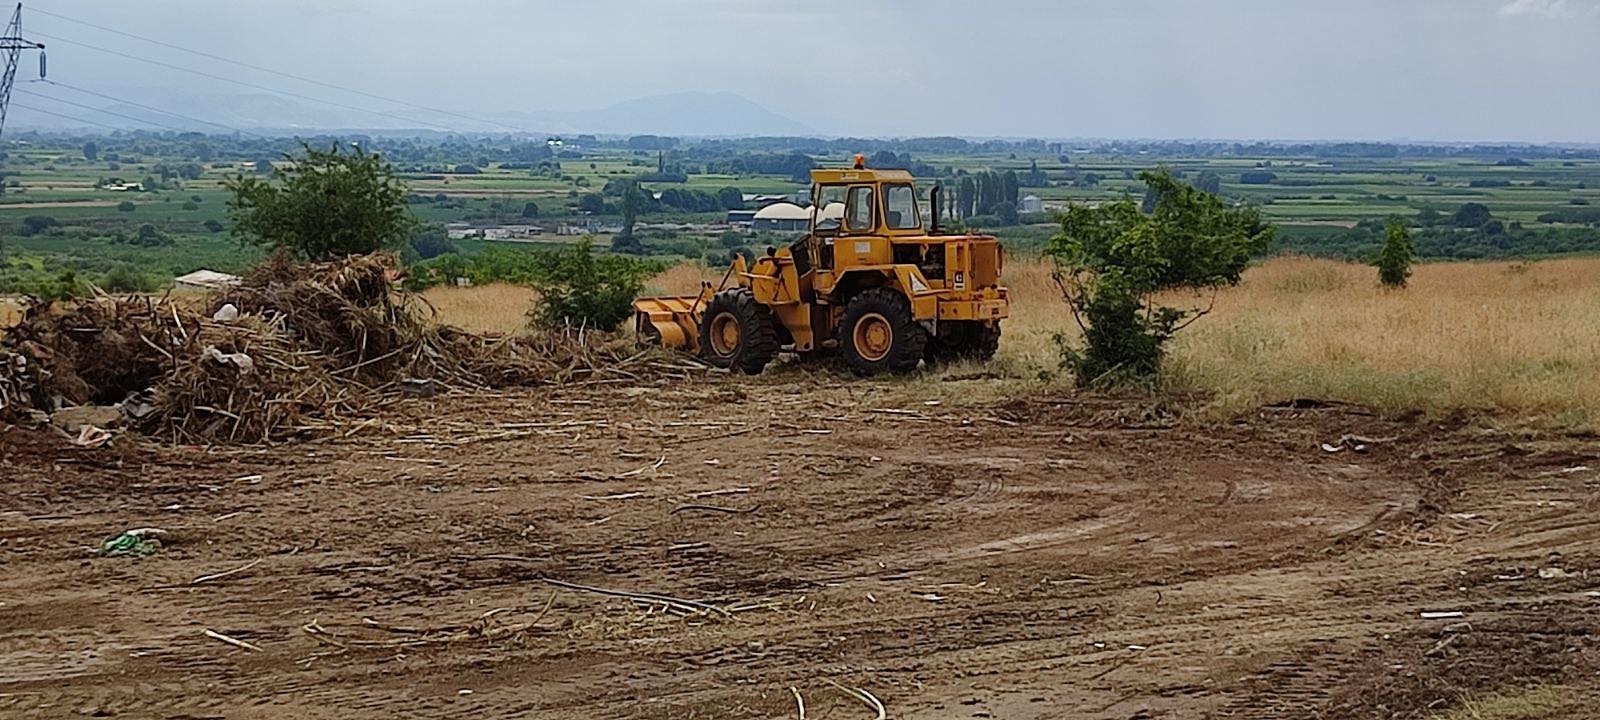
92	108
243	83
270	71
151	108
73	118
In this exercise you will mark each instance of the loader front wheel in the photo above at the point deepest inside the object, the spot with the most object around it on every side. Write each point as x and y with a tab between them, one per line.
736	332
878	334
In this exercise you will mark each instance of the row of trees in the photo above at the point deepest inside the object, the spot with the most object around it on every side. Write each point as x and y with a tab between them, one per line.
987	193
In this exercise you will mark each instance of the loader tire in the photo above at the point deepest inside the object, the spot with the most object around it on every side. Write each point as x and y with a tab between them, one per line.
737	333
878	334
964	340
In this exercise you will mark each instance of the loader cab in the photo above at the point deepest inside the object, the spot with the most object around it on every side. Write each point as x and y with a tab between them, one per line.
855	216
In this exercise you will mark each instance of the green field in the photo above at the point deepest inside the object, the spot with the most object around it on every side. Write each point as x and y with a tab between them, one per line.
56	215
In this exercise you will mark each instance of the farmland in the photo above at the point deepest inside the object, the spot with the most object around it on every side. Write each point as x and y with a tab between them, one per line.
1542	204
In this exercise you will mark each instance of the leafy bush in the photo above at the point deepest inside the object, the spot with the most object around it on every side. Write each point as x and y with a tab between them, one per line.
1112	259
124	279
1471	215
35	224
125	206
151	236
629	244
1394	260
432	243
588	290
326	204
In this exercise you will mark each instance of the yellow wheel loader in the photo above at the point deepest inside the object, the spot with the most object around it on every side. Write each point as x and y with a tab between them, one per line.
866	280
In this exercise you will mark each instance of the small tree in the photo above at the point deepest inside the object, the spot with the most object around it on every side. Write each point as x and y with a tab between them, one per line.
583	289
122	278
326	204
36	224
1394	260
1111	260
1471	215
431	242
632	203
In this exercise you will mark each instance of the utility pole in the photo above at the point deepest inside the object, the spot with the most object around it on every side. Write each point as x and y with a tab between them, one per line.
12	44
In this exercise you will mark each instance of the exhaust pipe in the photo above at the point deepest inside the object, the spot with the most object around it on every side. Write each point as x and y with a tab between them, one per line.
933	205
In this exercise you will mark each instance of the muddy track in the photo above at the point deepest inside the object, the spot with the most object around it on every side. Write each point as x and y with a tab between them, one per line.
1053	558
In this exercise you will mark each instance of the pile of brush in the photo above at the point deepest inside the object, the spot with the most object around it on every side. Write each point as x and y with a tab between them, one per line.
294	350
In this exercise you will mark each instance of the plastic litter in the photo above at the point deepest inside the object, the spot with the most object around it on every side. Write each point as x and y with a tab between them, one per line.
137	542
238	360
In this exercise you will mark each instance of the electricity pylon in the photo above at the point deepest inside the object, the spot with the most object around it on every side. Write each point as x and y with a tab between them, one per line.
12	44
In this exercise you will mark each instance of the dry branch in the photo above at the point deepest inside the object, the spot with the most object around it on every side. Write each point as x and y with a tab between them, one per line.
226	573
231	641
315	349
868	698
652	597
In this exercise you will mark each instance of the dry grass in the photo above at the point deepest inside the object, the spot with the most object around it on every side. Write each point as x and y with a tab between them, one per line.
1518	337
497	308
1535	703
503	308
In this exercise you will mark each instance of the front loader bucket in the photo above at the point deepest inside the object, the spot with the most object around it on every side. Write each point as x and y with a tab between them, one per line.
671	322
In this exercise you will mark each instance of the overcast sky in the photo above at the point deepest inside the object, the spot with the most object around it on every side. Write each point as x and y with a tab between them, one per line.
1523	70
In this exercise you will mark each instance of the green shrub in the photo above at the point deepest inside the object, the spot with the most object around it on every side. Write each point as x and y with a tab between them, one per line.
35	224
124	279
325	204
1111	260
432	242
1394	260
125	206
588	290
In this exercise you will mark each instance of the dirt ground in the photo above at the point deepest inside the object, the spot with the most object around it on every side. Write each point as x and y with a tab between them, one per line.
1052	557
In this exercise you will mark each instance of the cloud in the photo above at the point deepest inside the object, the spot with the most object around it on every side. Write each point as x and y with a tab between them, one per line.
1559	9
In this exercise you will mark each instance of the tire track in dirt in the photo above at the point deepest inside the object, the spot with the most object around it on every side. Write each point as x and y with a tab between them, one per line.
1094	560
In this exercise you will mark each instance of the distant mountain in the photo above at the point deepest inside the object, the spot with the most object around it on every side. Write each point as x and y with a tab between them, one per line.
685	113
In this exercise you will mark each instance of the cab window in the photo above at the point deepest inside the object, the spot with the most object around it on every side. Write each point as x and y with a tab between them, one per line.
900	207
858	209
827	207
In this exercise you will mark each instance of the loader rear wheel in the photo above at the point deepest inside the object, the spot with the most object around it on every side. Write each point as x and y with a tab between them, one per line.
736	332
964	340
878	334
